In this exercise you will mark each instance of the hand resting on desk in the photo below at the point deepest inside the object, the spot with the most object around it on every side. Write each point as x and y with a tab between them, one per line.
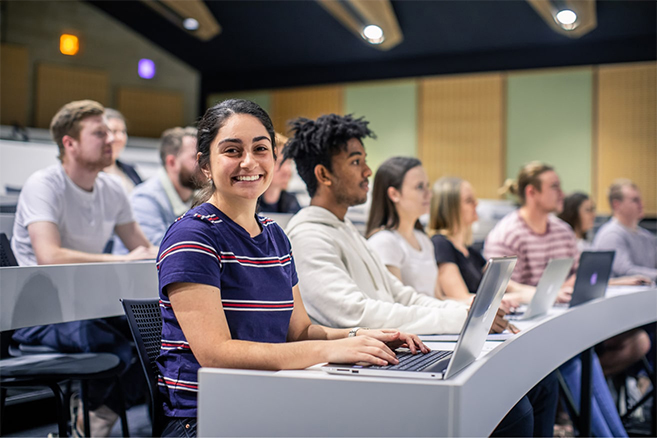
500	323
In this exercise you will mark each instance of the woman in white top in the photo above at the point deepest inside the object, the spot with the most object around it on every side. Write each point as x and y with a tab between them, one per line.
402	194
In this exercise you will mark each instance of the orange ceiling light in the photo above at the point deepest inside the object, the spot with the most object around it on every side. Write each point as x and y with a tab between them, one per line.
69	44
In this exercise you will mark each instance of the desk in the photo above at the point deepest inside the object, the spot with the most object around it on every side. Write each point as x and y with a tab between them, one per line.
71	292
312	403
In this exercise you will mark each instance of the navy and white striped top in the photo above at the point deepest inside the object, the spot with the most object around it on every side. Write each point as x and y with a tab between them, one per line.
255	276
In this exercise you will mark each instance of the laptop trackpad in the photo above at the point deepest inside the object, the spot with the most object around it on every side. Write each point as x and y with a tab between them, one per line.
438	367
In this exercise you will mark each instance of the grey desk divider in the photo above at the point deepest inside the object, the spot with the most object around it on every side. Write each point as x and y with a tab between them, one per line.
313	403
37	295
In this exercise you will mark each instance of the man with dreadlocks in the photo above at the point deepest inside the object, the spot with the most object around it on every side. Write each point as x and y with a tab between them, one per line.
344	283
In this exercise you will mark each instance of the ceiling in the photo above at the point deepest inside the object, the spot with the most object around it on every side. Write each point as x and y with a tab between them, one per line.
271	44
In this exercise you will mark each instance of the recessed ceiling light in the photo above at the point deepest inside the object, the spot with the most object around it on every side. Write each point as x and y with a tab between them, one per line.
566	17
190	24
373	34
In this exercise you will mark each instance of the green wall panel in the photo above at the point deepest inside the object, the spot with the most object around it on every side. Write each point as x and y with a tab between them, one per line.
549	119
262	98
391	109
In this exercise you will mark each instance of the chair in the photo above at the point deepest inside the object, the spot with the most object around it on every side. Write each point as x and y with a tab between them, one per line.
630	426
145	321
6	254
48	369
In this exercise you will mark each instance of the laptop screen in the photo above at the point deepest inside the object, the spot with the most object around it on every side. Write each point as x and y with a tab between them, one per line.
481	314
592	276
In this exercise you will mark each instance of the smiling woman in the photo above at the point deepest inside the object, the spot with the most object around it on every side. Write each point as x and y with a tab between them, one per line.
220	306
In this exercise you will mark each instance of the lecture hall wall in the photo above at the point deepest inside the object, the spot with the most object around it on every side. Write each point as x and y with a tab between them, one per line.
36	79
594	123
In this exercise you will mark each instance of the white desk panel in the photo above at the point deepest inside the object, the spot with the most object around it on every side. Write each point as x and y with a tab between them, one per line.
37	295
312	403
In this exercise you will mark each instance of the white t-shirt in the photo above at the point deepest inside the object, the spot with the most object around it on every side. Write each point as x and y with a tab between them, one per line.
85	220
418	268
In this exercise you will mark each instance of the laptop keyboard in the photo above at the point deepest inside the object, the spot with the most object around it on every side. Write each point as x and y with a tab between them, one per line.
414	362
517	316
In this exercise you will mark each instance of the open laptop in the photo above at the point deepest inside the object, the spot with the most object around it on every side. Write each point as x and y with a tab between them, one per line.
547	290
592	276
439	364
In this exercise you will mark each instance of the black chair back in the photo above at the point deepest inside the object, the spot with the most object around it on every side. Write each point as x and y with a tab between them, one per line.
6	254
145	322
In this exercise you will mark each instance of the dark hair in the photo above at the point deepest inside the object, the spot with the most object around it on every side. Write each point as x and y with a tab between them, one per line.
570	213
210	124
383	213
317	141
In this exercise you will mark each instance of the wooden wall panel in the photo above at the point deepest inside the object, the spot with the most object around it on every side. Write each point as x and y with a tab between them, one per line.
462	129
626	131
14	69
150	112
56	85
309	102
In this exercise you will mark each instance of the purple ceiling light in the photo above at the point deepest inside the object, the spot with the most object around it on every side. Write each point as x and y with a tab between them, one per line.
146	68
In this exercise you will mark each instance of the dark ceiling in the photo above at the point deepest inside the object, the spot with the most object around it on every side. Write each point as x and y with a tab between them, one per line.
270	44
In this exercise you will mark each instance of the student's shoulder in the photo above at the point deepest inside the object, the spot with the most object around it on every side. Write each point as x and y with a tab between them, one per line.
561	226
442	243
199	220
51	177
385	242
272	228
382	236
511	224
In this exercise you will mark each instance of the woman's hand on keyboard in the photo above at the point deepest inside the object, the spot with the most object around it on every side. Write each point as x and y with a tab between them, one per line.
359	350
396	339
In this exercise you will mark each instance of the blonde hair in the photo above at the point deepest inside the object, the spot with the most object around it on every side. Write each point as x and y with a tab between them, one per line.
529	175
280	142
615	191
445	215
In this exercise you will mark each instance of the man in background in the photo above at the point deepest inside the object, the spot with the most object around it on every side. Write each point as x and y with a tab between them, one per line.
65	214
168	194
344	283
636	247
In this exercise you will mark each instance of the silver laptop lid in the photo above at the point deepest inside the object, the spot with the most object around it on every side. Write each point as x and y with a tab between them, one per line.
481	314
548	287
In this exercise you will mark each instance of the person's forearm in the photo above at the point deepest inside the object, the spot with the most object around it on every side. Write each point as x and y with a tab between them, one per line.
64	256
456	294
316	332
523	292
263	356
320	332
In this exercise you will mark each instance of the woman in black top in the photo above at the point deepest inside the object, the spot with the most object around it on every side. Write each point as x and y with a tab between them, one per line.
453	211
276	199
